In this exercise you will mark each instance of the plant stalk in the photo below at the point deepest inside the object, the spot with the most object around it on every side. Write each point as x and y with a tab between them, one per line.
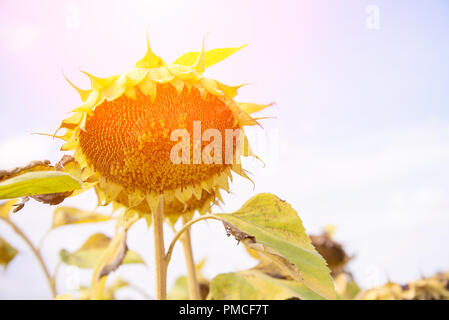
19	232
183	229
159	251
194	287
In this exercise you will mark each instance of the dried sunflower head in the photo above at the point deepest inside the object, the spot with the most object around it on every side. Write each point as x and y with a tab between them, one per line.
127	132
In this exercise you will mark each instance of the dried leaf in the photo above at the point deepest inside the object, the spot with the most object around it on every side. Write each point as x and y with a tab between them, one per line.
7	252
68	215
270	226
332	252
432	288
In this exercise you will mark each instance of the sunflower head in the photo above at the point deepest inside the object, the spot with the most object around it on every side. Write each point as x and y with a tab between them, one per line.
128	131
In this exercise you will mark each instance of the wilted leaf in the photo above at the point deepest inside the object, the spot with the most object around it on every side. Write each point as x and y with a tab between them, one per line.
37	183
256	285
68	215
5	208
270	226
7	252
93	250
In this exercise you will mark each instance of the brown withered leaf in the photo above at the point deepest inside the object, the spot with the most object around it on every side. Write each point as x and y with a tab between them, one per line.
52	198
238	234
115	254
332	252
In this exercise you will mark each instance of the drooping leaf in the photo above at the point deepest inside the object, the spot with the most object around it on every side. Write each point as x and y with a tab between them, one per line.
68	215
37	183
212	56
90	253
66	165
255	285
272	227
7	252
6	207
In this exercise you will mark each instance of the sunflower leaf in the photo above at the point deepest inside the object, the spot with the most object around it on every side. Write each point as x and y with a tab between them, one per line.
38	183
256	285
273	228
95	247
68	215
7	252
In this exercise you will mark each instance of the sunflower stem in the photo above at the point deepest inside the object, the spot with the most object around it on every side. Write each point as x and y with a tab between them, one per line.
183	229
194	288
159	251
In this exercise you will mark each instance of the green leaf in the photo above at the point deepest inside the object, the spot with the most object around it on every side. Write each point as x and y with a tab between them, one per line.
255	285
91	252
273	228
68	215
180	290
38	182
7	252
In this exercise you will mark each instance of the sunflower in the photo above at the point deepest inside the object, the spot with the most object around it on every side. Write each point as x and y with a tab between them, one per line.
121	133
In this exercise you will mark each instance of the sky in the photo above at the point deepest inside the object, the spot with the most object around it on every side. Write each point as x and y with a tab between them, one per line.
358	136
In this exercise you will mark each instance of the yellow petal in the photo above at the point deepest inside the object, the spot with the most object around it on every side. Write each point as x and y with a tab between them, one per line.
84	94
100	83
253	107
211	57
150	60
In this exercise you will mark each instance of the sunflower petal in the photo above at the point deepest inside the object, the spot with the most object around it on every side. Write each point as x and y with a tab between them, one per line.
150	60
211	57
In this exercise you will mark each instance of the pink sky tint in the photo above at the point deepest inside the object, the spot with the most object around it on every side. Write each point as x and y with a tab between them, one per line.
40	38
